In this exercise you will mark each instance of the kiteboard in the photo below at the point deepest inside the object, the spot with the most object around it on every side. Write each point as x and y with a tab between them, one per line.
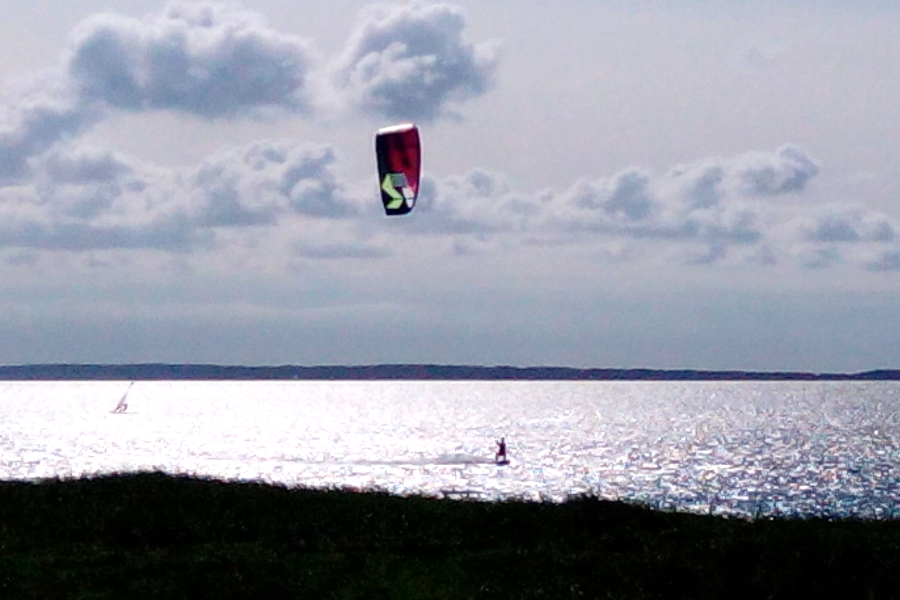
399	156
502	463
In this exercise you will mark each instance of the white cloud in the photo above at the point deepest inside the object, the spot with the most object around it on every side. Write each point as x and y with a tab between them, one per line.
889	260
44	113
87	199
257	184
821	257
338	250
201	58
83	183
787	171
705	213
850	224
214	61
625	197
409	62
412	61
753	174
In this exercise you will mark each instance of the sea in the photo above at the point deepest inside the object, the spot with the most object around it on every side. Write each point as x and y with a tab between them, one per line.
750	449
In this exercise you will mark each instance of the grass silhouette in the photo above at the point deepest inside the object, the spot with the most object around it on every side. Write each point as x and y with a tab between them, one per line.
152	535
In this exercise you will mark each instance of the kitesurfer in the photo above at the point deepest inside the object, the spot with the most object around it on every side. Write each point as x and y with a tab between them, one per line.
501	450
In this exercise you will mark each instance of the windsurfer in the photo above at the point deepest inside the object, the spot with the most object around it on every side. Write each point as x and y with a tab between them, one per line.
501	450
122	406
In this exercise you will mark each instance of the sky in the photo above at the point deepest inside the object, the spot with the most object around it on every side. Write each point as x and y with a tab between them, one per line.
664	184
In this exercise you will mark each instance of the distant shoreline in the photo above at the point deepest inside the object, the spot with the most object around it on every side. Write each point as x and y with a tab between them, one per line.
413	372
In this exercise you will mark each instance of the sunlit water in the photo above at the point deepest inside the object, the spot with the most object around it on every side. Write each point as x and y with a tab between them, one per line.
724	447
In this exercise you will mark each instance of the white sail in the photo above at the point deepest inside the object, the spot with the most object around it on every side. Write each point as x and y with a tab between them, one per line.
122	406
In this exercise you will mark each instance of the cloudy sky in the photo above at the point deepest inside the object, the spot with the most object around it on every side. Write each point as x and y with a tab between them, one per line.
666	184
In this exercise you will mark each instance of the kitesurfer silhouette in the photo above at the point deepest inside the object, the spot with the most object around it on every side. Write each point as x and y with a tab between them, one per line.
501	450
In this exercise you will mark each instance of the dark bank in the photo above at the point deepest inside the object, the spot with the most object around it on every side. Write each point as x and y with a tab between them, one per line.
152	535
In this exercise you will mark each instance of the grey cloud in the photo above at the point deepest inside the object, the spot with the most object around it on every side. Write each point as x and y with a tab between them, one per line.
889	260
626	196
22	259
83	165
477	202
696	186
427	194
763	256
631	204
411	61
713	254
451	207
201	58
708	182
834	229
712	204
229	192
520	207
704	188
86	199
726	227
477	245
787	171
258	184
312	187
214	61
821	258
851	225
709	201
222	205
169	234
634	204
39	118
83	183
350	249
483	184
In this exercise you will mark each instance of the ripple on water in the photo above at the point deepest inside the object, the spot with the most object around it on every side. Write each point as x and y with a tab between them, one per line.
730	448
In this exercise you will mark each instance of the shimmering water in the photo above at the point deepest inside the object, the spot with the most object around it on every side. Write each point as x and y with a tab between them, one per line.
723	447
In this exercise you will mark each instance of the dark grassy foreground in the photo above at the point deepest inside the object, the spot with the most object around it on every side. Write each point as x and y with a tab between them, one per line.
156	536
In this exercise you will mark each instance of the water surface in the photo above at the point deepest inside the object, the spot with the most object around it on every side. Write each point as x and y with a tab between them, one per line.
721	447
